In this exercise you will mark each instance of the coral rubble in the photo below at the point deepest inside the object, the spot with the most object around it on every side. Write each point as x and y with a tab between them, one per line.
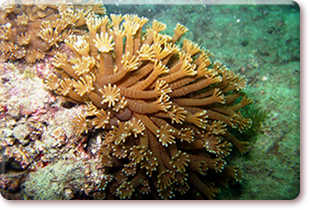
63	180
36	136
166	110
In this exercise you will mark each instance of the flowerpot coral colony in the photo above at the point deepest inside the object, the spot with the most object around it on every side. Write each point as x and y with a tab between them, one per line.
164	109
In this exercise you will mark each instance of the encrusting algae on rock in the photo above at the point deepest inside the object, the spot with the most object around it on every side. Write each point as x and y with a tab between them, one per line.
165	110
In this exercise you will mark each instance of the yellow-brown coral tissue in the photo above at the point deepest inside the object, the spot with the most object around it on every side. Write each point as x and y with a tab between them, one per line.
164	108
31	29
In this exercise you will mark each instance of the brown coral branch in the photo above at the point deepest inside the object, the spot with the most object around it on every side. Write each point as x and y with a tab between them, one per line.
118	49
179	31
103	43
196	86
208	190
93	25
159	69
147	122
154	146
130	29
185	70
137	37
160	88
244	102
161	104
128	66
241	145
137	75
217	97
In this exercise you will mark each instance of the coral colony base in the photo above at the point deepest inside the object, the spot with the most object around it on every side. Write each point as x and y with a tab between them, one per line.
164	110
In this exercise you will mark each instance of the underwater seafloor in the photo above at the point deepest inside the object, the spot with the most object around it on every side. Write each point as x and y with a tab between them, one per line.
261	42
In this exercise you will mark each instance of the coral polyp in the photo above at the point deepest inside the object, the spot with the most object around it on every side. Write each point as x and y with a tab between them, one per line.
30	30
165	109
